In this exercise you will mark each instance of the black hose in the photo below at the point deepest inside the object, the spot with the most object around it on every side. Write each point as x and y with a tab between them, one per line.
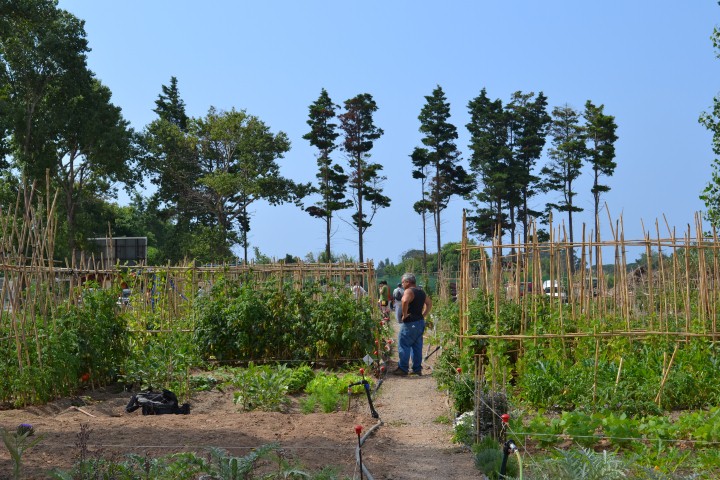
508	448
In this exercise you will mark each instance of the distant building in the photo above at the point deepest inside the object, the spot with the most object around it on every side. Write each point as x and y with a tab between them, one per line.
123	250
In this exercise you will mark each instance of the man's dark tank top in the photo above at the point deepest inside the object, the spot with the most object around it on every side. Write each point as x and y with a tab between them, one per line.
416	306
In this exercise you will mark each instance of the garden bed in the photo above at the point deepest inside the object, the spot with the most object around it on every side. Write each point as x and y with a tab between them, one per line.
411	408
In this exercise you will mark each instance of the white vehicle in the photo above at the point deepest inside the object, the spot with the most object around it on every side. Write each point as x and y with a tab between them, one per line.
552	288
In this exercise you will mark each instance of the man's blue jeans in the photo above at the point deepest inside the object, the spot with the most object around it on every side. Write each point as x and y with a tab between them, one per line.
410	344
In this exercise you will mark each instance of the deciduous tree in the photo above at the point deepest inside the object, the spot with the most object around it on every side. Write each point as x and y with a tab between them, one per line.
59	117
711	121
237	157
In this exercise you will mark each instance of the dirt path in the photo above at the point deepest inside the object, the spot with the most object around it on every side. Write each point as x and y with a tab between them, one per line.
411	443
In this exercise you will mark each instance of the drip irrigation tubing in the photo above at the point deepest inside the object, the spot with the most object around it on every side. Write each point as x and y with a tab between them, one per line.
364	469
367	473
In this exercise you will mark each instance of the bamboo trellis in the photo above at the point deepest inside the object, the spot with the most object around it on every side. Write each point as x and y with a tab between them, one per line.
675	291
673	294
33	286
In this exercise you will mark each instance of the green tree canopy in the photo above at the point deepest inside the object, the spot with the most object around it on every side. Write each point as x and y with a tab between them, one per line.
601	137
332	180
566	158
237	157
441	157
711	121
490	162
528	123
57	116
365	181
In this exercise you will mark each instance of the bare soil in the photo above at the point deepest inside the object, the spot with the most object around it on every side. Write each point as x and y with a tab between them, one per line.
409	444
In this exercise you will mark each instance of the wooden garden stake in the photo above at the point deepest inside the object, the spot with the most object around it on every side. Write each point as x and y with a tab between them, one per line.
597	357
665	375
617	378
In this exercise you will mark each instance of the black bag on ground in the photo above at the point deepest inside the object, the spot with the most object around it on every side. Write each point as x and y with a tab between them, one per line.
157	403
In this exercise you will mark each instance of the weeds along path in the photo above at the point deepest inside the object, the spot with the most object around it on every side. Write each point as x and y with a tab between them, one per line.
414	441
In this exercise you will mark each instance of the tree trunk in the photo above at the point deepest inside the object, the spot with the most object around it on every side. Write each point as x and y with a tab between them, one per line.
424	221
525	218
359	180
437	237
245	247
327	235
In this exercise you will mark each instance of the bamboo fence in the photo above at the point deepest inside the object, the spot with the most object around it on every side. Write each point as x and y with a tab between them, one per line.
34	286
672	293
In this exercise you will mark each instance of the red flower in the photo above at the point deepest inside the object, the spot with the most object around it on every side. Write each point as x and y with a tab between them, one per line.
458	369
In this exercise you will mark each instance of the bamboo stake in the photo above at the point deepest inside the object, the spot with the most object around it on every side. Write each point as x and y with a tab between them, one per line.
687	281
617	378
595	372
665	375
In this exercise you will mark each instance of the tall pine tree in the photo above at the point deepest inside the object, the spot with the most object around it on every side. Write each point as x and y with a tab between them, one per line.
171	163
490	162
441	156
332	180
567	155
528	126
365	182
601	137
170	106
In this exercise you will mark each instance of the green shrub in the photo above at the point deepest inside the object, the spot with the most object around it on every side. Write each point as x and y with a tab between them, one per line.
299	378
326	390
262	387
271	321
488	457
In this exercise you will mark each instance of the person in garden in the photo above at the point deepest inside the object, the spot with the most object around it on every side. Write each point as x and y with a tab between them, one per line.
416	305
384	298
358	290
397	299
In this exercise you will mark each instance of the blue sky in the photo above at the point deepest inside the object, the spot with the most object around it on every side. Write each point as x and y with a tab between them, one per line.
651	64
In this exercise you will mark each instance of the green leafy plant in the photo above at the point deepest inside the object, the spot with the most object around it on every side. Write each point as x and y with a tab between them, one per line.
464	429
584	464
326	390
299	378
262	387
255	321
488	457
580	427
19	442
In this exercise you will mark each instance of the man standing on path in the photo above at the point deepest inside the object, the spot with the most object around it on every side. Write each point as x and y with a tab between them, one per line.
416	305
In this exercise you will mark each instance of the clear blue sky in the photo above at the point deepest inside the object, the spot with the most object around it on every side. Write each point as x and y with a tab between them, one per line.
650	63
